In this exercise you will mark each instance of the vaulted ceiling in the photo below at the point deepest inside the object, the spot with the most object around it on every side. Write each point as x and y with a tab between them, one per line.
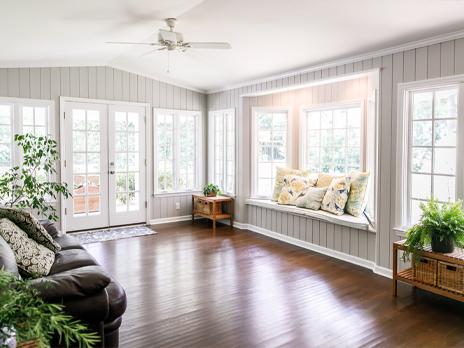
267	36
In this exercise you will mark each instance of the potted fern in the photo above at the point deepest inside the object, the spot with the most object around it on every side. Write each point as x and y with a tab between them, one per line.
441	226
211	190
26	318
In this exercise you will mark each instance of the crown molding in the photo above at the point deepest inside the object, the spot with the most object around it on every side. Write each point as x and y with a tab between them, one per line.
348	60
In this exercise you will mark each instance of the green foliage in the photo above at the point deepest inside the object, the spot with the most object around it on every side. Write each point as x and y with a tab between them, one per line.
33	319
29	185
443	220
211	188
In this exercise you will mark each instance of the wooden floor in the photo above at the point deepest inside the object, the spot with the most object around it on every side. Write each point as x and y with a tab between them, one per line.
187	288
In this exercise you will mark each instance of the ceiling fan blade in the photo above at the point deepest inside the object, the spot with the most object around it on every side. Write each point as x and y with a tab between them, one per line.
209	45
134	43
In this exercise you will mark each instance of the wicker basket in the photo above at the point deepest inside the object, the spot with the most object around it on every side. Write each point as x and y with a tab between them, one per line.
451	277
425	271
204	207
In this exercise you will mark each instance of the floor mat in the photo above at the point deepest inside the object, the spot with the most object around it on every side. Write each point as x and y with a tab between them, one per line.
106	234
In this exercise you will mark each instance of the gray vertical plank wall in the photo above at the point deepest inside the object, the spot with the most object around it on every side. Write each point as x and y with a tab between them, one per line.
110	84
440	59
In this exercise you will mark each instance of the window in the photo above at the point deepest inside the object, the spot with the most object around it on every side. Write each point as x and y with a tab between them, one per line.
21	116
222	149
332	139
270	148
432	164
428	148
178	150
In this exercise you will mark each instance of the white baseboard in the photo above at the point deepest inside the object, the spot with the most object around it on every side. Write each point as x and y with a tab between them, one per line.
386	272
170	219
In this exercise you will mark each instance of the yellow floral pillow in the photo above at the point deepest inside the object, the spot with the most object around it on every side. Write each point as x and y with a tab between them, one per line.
295	186
336	196
357	199
279	180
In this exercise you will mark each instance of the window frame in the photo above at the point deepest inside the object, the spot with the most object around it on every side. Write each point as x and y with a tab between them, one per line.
198	171
254	145
16	105
212	148
402	219
303	141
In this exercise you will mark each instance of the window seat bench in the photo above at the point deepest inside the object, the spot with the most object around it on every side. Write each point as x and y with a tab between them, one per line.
360	223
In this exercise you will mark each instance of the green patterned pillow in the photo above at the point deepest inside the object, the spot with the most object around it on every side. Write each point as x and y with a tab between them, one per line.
29	224
336	196
31	257
357	199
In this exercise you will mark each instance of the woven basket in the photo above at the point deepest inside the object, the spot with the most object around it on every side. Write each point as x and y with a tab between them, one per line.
451	277
206	207
425	271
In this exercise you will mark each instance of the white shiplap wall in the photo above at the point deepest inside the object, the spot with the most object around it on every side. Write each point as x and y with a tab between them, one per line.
440	59
110	84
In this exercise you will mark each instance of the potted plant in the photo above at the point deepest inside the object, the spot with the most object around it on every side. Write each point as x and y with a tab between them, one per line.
441	226
31	186
34	322
211	190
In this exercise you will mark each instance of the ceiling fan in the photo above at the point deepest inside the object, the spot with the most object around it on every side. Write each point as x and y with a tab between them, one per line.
173	41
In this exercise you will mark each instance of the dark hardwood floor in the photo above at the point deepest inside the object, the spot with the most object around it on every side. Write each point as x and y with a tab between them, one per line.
188	288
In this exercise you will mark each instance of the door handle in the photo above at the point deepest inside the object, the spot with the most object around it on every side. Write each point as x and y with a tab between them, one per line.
112	171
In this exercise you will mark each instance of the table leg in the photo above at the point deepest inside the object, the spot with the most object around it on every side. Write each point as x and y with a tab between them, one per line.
395	270
214	217
231	212
193	209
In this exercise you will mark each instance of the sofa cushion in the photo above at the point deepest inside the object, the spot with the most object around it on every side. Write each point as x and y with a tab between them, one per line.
49	227
7	259
31	257
67	242
82	281
71	259
117	300
29	224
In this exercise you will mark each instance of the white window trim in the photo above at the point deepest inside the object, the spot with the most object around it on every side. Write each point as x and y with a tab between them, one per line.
211	147
254	154
199	151
401	222
303	142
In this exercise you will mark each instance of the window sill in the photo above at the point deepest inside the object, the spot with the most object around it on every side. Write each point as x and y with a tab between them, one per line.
401	231
360	223
175	194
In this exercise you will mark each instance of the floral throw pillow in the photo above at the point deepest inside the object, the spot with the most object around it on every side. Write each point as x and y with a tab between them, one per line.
281	172
295	186
312	198
29	224
336	196
357	199
31	257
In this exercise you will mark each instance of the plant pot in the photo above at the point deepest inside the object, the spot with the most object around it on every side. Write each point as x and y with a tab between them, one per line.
211	194
442	246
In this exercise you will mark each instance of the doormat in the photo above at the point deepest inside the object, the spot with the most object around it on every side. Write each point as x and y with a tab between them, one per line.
107	234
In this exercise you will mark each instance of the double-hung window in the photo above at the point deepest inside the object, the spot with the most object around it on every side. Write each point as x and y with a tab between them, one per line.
21	116
429	150
222	149
331	138
270	147
177	150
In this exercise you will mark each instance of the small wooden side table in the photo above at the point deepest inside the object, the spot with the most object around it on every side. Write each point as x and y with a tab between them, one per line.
212	208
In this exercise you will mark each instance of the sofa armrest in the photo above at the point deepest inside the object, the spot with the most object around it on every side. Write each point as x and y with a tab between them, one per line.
78	282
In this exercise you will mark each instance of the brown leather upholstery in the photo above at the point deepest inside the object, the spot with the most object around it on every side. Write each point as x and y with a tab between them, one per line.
80	284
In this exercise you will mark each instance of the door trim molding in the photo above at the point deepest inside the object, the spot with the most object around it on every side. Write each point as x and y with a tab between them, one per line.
106	102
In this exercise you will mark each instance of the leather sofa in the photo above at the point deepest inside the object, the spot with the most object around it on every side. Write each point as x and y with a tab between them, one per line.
80	284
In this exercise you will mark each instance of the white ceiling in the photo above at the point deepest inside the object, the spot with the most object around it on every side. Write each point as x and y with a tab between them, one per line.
267	36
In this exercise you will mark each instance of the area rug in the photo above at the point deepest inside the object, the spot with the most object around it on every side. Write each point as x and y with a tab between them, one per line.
107	234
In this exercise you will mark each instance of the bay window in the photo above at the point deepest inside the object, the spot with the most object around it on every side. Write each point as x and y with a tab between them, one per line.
331	138
177	150
222	149
270	144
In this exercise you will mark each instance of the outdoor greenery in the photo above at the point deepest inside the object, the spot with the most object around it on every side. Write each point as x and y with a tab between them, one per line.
443	220
30	185
24	311
211	188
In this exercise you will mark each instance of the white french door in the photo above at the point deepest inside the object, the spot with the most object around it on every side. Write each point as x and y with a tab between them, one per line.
104	165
